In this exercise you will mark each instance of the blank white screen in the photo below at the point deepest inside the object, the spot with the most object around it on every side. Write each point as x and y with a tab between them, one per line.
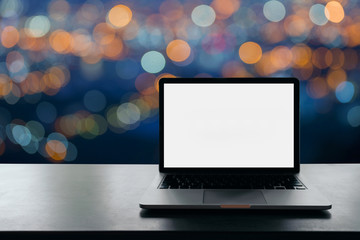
228	125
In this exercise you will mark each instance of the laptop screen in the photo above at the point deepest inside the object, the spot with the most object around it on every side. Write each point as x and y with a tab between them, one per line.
229	125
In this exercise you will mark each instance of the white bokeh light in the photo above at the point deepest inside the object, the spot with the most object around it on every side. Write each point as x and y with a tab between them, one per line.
37	26
203	16
317	14
274	11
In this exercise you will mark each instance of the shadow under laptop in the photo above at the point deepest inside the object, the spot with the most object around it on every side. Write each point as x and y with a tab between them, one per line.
253	221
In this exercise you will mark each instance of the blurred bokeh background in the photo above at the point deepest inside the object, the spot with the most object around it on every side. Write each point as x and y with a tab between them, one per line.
78	79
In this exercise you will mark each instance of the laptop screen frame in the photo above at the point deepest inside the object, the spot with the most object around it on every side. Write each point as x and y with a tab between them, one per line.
234	170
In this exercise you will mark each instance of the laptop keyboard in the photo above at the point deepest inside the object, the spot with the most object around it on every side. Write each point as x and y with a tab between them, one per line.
277	182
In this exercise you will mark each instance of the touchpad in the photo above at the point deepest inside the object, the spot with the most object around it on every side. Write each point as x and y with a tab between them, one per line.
233	197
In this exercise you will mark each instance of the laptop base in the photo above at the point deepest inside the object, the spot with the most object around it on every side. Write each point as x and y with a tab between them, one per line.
155	198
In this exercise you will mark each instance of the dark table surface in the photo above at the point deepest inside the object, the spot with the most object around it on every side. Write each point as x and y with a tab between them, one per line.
87	198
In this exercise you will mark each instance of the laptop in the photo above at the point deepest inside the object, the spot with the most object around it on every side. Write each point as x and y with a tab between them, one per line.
230	143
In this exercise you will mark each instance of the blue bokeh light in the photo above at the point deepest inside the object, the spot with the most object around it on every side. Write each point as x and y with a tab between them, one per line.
46	112
21	135
345	92
94	100
353	116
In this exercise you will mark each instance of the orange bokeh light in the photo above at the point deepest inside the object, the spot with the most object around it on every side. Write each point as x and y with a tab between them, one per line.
25	41
60	41
103	33
9	36
52	81
281	57
306	71
352	34
334	11
178	50
113	50
151	100
145	83
295	25
5	85
264	67
268	30
335	77
225	8
119	16
301	55
34	44
81	44
317	88
338	58
322	58
93	54
172	9
54	78
164	75
56	150
250	52
234	69
34	82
